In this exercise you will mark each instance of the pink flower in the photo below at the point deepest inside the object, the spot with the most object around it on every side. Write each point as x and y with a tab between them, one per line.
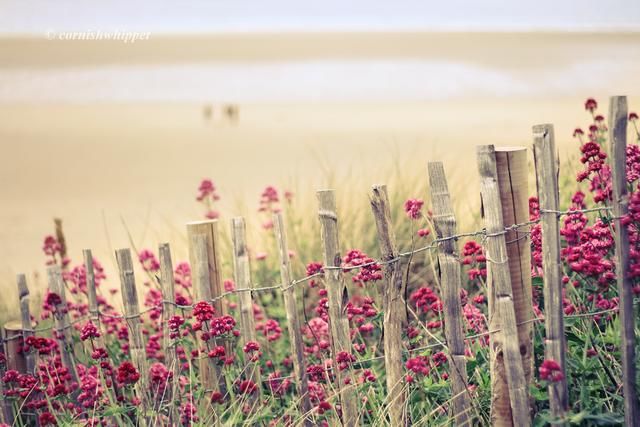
206	190
423	232
418	365
148	260
550	371
367	269
590	105
412	208
89	331
127	373
247	387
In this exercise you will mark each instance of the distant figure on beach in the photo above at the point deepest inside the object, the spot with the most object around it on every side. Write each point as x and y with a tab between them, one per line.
231	112
207	112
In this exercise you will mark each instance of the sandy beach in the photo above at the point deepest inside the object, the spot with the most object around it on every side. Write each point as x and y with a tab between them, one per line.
100	133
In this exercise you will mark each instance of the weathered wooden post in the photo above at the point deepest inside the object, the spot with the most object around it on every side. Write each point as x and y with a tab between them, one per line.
216	285
547	165
62	322
27	326
393	305
337	296
14	342
293	320
132	318
618	155
200	274
509	400
167	285
61	239
6	415
92	293
513	183
242	277
451	285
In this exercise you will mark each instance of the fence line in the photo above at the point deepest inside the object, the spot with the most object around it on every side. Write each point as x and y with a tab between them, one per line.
506	328
432	245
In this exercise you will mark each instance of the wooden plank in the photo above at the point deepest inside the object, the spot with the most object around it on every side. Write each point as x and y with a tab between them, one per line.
6	415
337	296
200	273
513	183
242	277
137	350
171	360
618	155
27	326
92	293
293	319
62	322
508	406
393	305
451	285
547	166
216	285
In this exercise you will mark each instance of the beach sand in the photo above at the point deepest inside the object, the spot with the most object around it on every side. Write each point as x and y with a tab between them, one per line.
97	160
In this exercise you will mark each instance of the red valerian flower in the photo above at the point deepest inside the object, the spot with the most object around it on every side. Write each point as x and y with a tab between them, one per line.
633	116
89	331
344	359
419	365
206	190
251	346
203	311
47	419
550	371
247	387
314	268
127	373
412	208
148	260
367	269
590	105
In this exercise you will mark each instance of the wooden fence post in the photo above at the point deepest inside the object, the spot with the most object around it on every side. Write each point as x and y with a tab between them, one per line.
216	286
293	320
62	322
506	361
61	239
15	357
451	285
393	305
546	162
337	296
167	285
137	349
92	294
27	326
200	274
242	277
6	416
618	154
513	184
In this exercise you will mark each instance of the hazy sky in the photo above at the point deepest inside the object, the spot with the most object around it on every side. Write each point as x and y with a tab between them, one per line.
38	16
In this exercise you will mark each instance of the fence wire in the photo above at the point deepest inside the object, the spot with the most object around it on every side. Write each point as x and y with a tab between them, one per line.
283	287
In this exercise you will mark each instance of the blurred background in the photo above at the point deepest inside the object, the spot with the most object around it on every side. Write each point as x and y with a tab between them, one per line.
111	113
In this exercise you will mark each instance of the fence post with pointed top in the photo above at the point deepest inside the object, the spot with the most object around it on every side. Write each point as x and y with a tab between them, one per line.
338	297
618	155
293	320
393	305
451	284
